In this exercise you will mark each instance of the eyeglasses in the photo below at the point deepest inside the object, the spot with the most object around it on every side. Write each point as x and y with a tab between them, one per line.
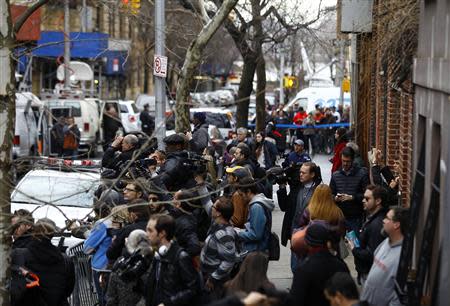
129	189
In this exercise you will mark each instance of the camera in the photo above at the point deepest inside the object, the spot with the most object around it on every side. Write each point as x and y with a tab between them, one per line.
194	163
291	174
132	267
139	168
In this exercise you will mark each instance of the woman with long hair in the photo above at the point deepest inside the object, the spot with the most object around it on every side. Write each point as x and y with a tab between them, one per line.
265	152
341	142
252	275
323	209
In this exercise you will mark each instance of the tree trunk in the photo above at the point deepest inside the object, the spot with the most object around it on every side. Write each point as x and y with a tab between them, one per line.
7	117
261	94
192	61
245	89
260	68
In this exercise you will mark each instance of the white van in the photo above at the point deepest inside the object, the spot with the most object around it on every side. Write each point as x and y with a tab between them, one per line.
26	132
309	97
86	117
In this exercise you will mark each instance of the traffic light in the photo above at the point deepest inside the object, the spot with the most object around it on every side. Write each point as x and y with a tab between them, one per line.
346	85
290	82
132	5
135	6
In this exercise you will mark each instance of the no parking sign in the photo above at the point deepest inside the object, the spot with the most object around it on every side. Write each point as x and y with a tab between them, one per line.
160	66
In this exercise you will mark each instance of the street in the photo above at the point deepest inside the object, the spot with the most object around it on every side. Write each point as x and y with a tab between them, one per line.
280	271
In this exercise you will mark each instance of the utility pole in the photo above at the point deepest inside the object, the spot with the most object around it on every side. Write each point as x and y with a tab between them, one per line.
282	78
341	71
84	17
66	45
160	82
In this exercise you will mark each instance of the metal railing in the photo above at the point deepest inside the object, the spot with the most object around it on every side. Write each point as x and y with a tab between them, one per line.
83	293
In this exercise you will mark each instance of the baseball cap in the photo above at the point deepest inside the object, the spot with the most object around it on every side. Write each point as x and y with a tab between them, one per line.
299	142
238	171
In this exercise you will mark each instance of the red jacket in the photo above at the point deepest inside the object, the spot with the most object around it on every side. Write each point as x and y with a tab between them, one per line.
299	117
336	160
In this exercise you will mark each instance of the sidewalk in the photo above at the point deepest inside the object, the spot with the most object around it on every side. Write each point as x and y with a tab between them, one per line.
280	271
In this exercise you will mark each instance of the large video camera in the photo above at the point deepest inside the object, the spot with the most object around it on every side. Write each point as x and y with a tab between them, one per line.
290	175
139	168
194	163
132	267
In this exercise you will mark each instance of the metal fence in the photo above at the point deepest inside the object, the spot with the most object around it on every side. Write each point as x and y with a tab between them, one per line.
84	293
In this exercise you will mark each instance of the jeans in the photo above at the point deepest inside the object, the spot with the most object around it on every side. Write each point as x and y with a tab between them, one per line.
294	262
101	292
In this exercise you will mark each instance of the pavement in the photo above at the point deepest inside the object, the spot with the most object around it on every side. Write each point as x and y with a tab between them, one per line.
280	271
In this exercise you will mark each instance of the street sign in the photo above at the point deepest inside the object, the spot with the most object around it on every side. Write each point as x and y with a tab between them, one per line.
160	66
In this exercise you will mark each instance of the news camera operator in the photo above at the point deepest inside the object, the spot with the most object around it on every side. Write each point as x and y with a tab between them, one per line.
120	152
180	165
294	203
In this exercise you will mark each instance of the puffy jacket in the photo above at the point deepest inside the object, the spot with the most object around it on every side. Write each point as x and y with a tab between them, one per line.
353	183
172	279
256	234
97	243
370	238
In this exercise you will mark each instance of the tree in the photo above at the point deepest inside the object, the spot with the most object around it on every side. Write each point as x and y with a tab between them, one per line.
7	118
192	61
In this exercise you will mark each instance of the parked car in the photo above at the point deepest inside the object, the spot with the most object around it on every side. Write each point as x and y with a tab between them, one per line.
26	131
129	114
86	117
71	194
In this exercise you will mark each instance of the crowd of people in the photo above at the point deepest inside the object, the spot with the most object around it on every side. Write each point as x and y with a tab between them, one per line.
193	226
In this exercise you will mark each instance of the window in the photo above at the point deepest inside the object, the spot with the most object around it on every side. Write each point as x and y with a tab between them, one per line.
123	108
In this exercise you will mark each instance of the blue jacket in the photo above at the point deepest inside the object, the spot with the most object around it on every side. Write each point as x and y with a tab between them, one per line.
256	234
97	243
295	158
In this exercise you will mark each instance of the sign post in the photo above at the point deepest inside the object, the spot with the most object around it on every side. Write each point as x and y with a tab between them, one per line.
160	72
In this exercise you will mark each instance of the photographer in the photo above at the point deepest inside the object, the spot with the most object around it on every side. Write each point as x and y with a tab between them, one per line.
125	277
120	152
176	174
295	203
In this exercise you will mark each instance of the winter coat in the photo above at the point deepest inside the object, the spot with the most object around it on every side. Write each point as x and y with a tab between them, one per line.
311	276
148	123
370	238
117	247
256	235
97	243
172	279
240	212
270	154
56	274
57	138
200	138
114	159
288	204
354	183
295	159
175	175
186	232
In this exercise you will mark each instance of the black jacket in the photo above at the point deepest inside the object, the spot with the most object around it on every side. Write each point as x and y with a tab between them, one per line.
117	247
176	174
114	159
370	237
380	177
310	278
288	204
186	232
176	283
56	274
148	123
270	154
200	138
354	184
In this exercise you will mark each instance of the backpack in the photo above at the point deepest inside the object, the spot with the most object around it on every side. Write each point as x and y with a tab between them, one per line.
274	241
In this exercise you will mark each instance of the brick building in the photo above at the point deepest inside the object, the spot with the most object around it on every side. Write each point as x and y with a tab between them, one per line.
382	90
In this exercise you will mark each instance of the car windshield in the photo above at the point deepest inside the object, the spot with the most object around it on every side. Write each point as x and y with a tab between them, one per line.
134	107
61	191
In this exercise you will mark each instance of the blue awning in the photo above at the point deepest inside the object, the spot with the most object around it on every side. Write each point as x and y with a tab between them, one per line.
87	45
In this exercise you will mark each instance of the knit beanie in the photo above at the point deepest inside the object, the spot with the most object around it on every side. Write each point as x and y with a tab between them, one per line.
317	235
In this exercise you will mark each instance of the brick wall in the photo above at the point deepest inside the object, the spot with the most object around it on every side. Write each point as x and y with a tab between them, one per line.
385	95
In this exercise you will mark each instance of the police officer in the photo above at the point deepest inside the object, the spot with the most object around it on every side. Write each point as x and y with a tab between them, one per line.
298	156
